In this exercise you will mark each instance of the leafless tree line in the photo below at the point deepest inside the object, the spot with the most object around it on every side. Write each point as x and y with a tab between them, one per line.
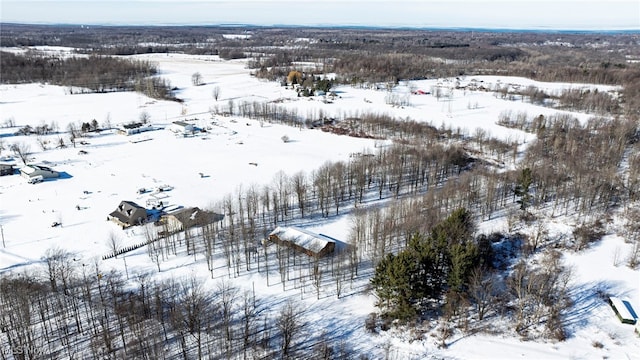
74	309
432	178
93	73
420	188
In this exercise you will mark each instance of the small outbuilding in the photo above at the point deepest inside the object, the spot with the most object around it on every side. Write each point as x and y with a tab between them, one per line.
623	310
128	214
312	244
32	171
187	218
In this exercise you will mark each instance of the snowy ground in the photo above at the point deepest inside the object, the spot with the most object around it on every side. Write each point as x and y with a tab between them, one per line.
241	153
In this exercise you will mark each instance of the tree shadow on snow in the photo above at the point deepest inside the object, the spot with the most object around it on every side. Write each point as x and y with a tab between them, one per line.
586	298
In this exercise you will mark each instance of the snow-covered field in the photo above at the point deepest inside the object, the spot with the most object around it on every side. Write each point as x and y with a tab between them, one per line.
237	152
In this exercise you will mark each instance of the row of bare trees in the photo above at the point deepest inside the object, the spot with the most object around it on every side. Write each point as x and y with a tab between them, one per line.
429	178
430	188
75	309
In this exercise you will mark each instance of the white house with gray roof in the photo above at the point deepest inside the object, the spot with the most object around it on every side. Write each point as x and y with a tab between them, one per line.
31	171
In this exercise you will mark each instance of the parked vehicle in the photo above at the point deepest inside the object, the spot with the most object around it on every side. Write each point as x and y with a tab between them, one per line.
36	179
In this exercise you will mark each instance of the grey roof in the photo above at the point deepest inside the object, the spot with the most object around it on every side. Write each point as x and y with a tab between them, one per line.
194	216
126	212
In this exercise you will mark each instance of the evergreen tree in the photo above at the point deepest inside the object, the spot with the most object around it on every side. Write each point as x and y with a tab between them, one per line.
394	286
324	85
522	188
428	281
428	267
464	258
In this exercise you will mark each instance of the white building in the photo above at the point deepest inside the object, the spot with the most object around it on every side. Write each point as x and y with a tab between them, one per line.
181	128
31	171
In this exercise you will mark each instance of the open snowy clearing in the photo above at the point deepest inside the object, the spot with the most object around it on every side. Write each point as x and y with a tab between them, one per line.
237	152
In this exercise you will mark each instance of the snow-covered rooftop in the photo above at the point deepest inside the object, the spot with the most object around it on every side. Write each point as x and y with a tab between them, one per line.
303	238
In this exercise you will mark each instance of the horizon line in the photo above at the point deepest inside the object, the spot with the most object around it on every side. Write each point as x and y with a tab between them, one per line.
551	29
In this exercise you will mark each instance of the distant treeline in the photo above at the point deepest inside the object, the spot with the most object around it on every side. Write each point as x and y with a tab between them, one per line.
92	73
368	55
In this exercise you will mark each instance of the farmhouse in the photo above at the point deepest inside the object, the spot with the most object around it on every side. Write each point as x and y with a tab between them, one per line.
31	171
134	128
312	244
6	169
189	217
128	214
181	128
623	310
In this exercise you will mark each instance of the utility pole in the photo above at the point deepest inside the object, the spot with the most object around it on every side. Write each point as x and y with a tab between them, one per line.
2	234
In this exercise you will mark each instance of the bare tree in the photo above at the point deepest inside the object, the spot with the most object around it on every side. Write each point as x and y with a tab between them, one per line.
59	265
299	185
316	275
633	258
227	296
21	150
249	322
290	325
195	308
43	143
196	79
106	125
114	243
322	350
482	291
74	133
216	93
144	117
339	269
540	233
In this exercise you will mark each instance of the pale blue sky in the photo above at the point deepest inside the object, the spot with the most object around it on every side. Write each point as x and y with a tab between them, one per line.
509	14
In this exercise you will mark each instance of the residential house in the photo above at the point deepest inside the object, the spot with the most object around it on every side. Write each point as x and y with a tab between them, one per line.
187	218
312	244
32	171
128	214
